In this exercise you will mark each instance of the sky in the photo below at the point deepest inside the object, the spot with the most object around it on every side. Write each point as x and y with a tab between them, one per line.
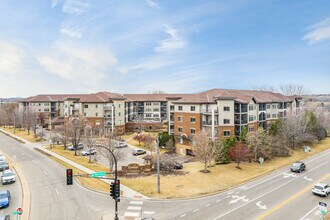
139	46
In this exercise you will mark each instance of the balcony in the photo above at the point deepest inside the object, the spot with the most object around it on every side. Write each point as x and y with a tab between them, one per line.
209	123
209	111
108	116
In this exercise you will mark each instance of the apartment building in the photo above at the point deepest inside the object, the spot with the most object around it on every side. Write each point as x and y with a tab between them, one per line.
221	112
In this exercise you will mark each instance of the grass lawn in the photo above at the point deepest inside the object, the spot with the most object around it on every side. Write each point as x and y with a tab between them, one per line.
22	133
196	183
221	177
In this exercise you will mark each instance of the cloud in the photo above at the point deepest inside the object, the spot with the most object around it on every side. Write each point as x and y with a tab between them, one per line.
174	42
71	33
55	3
12	60
75	7
86	64
318	32
152	4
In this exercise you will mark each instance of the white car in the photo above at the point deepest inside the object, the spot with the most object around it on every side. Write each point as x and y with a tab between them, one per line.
8	176
88	152
321	189
121	145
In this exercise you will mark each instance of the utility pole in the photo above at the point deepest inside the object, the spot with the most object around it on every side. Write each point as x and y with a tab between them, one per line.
158	164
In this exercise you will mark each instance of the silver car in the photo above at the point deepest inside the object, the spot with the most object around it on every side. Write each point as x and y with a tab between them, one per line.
321	189
8	176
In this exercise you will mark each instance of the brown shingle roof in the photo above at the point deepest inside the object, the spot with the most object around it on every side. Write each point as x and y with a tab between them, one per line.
51	98
150	97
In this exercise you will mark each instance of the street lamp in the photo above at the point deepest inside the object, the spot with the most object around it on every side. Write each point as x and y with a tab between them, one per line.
116	175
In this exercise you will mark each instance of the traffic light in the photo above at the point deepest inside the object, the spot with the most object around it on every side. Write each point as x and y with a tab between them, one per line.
69	177
112	190
115	189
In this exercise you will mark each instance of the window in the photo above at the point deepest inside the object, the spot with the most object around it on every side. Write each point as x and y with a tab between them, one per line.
46	104
226	121
119	106
251	117
268	106
251	129
148	103
156	115
251	107
268	115
85	106
96	106
179	129
119	122
156	109
85	114
148	109
148	115
172	107
226	108
192	119
180	141
97	123
192	131
274	116
46	109
179	119
226	133
39	104
192	108
274	105
180	108
155	103
96	114
119	113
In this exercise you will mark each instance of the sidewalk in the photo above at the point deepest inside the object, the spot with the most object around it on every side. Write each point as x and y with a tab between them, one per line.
127	192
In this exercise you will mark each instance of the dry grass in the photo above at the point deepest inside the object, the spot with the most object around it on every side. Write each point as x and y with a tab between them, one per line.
221	177
22	133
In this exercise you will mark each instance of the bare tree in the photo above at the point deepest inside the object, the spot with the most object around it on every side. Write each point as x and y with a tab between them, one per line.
203	148
63	135
170	145
259	144
240	152
149	143
117	152
76	131
156	91
29	119
267	88
294	131
293	89
89	141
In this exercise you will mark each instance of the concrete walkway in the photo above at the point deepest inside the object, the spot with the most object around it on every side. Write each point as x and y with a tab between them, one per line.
127	192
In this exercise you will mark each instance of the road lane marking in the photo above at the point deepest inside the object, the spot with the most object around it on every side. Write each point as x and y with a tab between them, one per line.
309	212
219	200
234	209
45	172
246	188
131	214
207	205
33	161
195	210
56	190
291	198
149	212
182	215
134	208
136	202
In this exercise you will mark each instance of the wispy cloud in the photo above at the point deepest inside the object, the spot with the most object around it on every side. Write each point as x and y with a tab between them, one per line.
174	41
88	65
152	4
71	33
75	7
12	59
55	3
318	32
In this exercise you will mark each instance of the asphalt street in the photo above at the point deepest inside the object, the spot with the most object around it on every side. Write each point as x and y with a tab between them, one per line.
278	195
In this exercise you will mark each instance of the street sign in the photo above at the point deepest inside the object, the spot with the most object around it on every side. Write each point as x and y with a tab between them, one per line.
19	211
98	174
323	207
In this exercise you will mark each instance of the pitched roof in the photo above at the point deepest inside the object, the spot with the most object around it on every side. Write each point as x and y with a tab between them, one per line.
101	97
150	97
50	97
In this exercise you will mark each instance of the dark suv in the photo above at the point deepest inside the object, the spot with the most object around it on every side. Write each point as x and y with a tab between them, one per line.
298	167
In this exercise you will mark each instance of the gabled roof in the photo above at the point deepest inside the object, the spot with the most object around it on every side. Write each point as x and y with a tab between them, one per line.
51	97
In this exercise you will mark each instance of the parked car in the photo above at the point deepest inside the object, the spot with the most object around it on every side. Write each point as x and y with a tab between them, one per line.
147	218
79	147
298	167
8	176
321	189
177	165
121	145
2	157
4	198
88	152
3	165
136	152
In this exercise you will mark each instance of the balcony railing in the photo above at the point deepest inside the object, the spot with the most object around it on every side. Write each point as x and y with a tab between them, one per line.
210	123
209	111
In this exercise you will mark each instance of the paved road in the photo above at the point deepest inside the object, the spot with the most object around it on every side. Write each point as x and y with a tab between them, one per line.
16	197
